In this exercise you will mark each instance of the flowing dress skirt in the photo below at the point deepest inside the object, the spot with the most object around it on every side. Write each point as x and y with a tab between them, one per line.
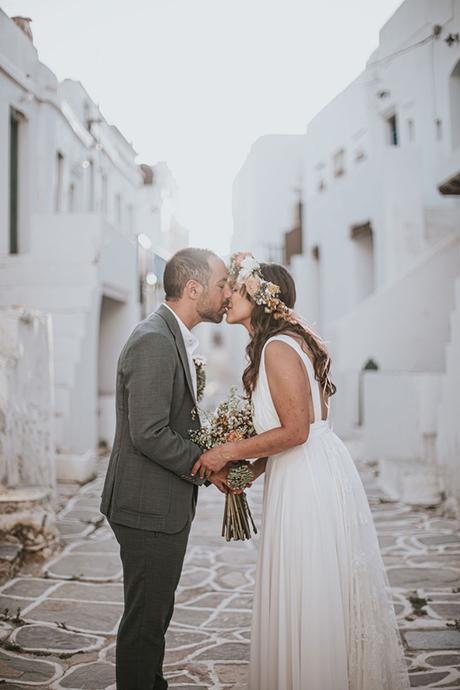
323	617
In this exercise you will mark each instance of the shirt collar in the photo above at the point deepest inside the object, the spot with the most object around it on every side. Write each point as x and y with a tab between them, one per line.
190	341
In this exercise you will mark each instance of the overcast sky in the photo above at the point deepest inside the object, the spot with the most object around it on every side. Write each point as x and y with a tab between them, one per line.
196	82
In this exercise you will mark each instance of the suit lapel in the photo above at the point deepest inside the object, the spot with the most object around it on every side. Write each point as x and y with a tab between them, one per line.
173	326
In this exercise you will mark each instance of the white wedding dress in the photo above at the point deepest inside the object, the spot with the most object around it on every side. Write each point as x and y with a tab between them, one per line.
322	617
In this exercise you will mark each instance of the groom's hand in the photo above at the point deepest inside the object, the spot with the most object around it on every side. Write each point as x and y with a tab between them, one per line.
219	479
210	461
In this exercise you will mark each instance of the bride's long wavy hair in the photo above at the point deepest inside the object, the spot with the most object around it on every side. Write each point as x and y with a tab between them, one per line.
264	326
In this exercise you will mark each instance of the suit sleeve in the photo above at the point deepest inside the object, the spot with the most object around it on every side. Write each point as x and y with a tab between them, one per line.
149	376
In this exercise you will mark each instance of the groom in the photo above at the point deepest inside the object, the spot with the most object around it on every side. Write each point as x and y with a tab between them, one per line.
149	496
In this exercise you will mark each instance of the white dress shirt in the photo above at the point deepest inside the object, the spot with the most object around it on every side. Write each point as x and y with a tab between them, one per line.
191	343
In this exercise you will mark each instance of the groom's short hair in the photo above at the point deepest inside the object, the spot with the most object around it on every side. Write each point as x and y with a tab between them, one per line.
186	264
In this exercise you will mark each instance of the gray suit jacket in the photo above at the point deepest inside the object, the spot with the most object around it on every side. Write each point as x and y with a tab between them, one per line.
146	485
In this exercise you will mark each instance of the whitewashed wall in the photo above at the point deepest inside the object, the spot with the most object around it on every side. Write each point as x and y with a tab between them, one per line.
26	401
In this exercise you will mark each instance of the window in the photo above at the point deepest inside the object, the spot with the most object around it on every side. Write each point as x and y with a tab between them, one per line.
130	217
105	187
15	120
320	175
438	125
118	210
363	274
71	201
292	243
339	163
410	130
392	130
90	174
58	182
316	286
454	93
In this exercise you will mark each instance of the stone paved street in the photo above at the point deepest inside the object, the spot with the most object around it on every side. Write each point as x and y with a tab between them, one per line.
59	621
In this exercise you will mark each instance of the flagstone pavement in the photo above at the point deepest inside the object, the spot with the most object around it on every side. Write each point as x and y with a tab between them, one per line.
59	620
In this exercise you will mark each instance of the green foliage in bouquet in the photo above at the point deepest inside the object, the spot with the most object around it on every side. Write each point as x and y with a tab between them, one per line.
232	421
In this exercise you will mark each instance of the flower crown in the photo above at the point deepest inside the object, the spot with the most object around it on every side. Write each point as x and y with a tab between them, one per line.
245	270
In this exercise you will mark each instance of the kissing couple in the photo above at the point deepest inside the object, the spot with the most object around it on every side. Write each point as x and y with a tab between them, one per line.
322	618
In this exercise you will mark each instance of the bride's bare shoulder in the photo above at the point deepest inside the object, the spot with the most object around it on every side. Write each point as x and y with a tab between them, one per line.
280	355
300	342
284	370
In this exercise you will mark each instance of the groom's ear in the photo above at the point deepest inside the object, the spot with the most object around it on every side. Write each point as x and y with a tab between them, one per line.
193	289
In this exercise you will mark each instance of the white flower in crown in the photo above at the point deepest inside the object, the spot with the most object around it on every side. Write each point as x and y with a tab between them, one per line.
244	269
247	267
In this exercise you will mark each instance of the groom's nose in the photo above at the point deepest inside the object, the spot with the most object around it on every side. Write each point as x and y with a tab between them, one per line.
227	292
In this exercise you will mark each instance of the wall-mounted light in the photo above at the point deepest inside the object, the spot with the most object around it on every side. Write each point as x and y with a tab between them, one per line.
151	279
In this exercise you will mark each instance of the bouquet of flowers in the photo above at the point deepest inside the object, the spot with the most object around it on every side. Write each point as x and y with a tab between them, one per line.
232	421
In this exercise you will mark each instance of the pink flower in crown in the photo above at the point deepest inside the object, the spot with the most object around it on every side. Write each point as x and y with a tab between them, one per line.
240	256
252	285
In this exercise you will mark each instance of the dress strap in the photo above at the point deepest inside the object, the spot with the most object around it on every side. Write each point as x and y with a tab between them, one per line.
314	386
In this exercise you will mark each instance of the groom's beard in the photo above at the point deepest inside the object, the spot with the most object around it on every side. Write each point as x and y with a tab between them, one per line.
211	316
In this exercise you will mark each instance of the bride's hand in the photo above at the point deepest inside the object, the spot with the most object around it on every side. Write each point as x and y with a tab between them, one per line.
211	461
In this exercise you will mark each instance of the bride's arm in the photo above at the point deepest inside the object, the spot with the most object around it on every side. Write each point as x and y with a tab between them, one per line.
258	467
290	392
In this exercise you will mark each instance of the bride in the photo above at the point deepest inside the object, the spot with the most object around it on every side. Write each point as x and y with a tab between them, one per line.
322	618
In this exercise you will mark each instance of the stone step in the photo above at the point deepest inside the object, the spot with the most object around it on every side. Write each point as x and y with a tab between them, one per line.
10	559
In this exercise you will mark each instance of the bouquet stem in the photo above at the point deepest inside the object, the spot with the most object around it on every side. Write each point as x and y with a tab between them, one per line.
237	518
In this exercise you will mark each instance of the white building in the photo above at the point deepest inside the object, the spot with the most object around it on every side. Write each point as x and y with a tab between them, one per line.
266	192
265	202
381	238
379	273
73	202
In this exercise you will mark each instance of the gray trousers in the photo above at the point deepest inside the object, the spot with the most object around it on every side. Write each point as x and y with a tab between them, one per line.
152	564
